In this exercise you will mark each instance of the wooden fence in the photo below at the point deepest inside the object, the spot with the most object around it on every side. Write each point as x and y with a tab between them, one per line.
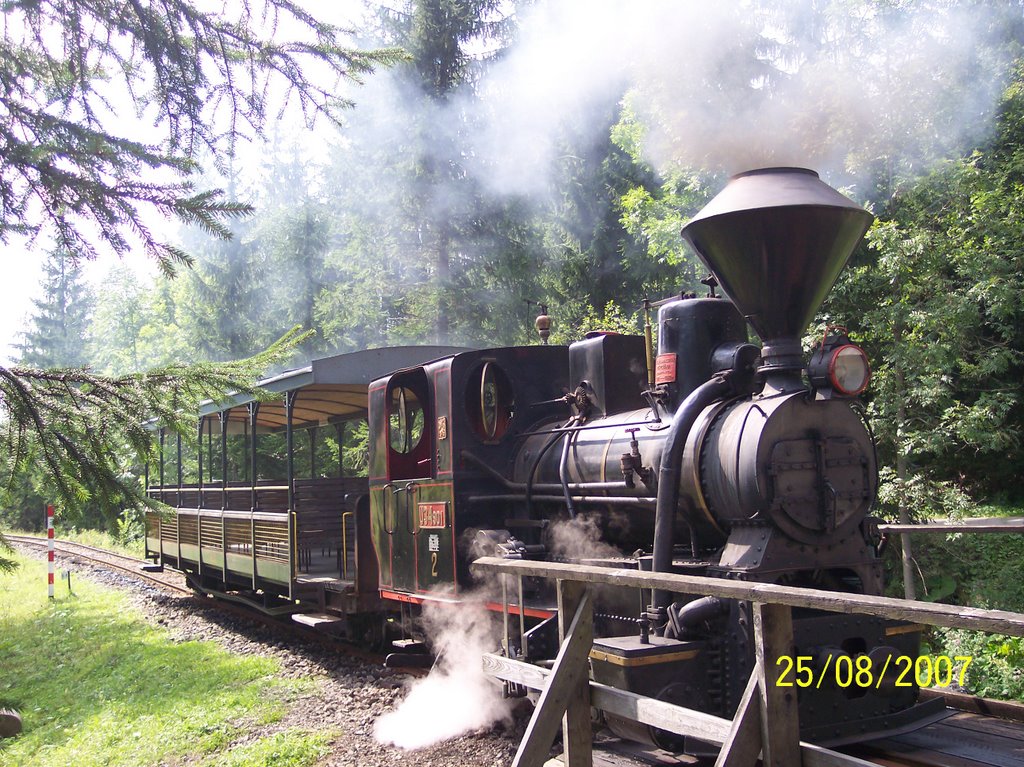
766	721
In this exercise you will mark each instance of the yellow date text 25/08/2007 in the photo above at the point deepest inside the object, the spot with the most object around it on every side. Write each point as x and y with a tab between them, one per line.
861	671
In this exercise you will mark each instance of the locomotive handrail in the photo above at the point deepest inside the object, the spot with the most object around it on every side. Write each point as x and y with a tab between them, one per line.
606	500
384	507
410	522
543	487
929	613
344	543
574	429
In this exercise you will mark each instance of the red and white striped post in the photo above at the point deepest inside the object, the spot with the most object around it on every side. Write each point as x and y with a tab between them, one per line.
49	548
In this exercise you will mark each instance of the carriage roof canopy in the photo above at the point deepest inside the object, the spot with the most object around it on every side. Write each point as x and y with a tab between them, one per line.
333	388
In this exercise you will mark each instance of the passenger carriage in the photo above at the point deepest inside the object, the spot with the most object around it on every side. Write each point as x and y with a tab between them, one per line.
272	508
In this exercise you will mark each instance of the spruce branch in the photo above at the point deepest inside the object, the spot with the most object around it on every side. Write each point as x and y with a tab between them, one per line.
75	424
205	80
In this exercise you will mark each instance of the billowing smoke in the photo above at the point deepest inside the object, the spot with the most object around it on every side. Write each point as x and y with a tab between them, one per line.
856	90
456	697
733	85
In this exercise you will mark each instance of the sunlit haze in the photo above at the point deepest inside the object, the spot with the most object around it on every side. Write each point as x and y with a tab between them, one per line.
667	54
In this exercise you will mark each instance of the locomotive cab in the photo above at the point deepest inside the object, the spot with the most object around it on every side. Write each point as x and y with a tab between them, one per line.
436	431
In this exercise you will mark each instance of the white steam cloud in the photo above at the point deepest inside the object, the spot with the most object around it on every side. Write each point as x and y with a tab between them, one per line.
734	85
579	538
456	697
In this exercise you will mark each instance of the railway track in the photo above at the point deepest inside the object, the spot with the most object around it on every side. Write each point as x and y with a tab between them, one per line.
171	582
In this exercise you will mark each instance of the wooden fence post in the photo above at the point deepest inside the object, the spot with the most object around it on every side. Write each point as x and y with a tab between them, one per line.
568	686
780	725
576	729
743	745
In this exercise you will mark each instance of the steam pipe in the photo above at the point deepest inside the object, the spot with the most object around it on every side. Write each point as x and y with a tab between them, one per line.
574	429
601	500
541	487
692	614
563	475
536	463
735	380
668	474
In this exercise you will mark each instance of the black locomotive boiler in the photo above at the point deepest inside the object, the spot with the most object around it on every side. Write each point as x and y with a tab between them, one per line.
716	456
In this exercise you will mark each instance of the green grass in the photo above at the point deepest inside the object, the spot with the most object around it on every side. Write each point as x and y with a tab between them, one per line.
97	686
290	748
983	510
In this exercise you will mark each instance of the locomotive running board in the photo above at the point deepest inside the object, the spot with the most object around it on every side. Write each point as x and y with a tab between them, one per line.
513	609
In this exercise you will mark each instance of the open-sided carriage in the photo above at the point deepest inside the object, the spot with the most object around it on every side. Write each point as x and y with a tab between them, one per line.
272	507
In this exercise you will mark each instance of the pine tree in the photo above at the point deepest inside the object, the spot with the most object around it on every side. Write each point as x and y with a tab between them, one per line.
224	297
202	77
58	328
445	202
118	322
293	239
78	425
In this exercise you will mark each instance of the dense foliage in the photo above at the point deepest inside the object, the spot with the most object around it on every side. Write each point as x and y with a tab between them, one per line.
937	300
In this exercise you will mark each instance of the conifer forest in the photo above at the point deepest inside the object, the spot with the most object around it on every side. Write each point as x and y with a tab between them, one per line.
272	186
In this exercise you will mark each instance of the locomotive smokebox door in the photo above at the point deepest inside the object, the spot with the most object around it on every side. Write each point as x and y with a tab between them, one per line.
807	465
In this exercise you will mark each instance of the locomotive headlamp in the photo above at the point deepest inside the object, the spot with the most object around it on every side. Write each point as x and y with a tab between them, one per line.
839	367
848	370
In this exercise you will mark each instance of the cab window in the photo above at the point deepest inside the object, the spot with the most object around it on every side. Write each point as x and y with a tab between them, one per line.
410	435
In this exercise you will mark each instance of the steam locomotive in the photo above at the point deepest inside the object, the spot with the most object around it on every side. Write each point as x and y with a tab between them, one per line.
709	456
713	457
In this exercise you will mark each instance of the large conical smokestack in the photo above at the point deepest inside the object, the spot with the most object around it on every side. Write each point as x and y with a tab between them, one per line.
777	239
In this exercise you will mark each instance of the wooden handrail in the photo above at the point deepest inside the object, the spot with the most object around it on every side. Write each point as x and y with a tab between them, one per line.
929	613
766	720
979	526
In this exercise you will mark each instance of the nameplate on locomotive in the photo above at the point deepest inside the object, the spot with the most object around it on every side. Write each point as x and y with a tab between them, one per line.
432	515
665	369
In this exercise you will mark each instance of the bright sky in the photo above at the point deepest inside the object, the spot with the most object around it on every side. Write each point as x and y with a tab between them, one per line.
21	277
22	282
